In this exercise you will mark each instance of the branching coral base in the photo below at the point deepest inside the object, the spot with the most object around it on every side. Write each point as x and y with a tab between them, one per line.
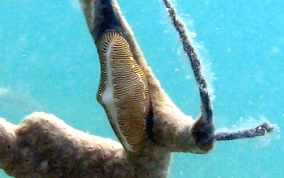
42	145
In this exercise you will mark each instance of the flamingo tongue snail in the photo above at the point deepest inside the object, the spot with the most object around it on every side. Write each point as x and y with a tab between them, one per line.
123	91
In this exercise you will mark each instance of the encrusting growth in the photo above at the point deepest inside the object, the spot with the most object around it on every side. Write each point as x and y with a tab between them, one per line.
43	146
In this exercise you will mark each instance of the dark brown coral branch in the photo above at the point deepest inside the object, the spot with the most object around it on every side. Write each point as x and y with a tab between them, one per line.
205	129
260	130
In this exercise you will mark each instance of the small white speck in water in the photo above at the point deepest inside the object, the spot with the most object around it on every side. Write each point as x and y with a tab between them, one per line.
3	91
187	77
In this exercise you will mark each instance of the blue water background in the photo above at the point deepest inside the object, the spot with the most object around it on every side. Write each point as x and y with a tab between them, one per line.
48	62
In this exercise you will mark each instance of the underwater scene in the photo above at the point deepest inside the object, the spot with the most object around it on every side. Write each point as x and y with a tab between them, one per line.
48	62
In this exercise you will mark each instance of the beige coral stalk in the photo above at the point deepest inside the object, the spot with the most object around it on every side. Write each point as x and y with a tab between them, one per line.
172	130
44	146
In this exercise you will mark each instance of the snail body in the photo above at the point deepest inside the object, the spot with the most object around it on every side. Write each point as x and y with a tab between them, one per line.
123	91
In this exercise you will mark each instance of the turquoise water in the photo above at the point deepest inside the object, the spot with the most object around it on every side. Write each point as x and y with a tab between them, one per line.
48	62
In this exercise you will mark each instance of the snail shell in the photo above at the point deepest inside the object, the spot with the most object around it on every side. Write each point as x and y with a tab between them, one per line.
123	91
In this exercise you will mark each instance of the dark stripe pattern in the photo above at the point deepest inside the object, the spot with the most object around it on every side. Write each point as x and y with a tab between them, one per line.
131	93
